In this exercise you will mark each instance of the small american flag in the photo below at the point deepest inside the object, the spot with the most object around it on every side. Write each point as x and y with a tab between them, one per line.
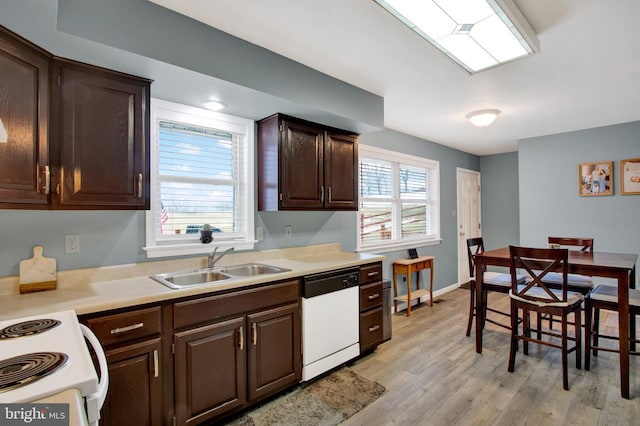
164	216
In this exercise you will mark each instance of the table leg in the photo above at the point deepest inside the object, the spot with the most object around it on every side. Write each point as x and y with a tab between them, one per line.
395	291
479	305
431	283
409	272
623	329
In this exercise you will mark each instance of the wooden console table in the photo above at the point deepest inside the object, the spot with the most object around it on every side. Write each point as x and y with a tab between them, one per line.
408	267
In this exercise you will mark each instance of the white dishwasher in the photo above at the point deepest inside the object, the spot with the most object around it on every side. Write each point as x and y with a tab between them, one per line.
330	320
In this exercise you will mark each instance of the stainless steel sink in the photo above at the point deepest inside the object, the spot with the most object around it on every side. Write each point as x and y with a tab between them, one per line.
252	269
189	279
206	276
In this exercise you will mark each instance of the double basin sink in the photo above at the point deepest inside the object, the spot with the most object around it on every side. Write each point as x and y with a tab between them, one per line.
180	280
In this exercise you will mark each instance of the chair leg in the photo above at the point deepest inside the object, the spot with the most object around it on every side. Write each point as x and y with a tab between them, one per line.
565	378
588	333
596	330
514	339
578	331
472	307
539	325
485	304
632	332
526	330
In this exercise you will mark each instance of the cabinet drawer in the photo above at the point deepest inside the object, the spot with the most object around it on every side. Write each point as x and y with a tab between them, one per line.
371	329
370	296
207	309
126	326
370	273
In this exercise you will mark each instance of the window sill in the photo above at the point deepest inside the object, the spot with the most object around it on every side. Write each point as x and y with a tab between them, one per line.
170	250
385	248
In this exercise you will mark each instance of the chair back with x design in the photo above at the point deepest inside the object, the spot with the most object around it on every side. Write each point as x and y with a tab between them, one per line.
584	244
537	263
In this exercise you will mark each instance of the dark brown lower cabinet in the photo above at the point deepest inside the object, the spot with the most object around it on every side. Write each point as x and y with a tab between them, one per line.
134	396
210	366
274	351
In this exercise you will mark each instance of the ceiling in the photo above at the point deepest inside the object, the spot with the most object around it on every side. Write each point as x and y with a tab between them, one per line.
586	75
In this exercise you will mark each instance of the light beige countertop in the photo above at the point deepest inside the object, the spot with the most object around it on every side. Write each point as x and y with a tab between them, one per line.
101	289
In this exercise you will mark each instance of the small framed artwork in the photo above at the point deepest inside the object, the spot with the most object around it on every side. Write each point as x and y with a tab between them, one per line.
630	176
595	178
413	253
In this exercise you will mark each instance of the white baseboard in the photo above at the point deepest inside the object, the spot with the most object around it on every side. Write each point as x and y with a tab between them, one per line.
436	294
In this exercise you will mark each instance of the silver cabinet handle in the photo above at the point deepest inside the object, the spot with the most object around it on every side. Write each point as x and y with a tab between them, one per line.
329	194
322	194
139	185
47	180
241	338
372	274
155	363
374	328
127	328
374	296
254	334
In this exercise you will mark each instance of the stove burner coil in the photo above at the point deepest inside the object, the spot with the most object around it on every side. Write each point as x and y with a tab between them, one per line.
28	328
24	369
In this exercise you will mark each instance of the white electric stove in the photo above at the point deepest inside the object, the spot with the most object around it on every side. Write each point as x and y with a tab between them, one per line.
43	355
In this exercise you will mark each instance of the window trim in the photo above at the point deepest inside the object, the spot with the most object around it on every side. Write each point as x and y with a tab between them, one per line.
366	151
171	111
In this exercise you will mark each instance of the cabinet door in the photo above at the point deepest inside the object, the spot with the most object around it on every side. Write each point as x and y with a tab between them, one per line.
24	112
341	171
134	396
275	360
104	139
301	179
210	371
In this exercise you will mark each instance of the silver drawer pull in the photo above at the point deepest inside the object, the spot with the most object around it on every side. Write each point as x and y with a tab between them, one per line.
372	274
127	328
374	328
374	296
155	363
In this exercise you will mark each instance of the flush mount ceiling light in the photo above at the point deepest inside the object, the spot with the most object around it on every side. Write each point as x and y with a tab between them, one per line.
214	105
476	34
483	118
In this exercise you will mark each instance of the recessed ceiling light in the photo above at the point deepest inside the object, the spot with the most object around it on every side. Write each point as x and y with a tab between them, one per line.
214	105
483	118
476	34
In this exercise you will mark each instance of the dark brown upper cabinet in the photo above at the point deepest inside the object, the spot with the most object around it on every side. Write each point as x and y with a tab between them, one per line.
103	144
78	135
306	166
24	111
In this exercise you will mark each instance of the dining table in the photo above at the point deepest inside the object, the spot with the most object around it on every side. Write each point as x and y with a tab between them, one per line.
618	266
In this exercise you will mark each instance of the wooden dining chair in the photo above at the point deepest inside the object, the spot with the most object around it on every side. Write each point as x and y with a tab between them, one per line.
606	297
580	283
492	281
536	296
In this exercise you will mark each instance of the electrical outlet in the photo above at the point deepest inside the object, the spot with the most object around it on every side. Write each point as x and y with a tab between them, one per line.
72	244
288	231
260	233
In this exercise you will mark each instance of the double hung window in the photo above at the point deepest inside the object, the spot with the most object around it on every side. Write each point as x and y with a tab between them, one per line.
202	173
399	200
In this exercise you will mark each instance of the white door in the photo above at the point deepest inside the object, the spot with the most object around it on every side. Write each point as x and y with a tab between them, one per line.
468	215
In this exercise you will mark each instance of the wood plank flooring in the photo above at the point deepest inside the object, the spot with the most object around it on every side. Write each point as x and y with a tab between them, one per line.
434	376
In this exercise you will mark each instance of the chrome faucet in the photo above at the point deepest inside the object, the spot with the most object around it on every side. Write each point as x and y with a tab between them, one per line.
212	258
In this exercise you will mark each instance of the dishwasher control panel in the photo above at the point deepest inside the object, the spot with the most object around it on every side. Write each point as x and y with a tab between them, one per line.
328	282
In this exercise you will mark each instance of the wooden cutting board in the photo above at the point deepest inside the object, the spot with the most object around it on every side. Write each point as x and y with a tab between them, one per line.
38	273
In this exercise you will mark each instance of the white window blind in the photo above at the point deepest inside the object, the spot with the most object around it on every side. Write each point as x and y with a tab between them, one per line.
203	174
399	199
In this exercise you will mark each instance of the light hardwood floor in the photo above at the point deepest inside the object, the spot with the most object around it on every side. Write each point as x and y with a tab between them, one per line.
434	376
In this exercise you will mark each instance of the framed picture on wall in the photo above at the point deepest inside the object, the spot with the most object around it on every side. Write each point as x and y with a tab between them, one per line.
630	176
595	179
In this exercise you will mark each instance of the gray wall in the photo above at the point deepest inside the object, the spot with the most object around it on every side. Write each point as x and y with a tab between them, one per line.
549	200
500	201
